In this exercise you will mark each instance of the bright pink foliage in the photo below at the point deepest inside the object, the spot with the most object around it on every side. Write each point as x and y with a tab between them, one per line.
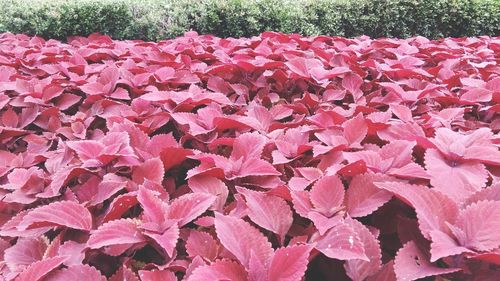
277	157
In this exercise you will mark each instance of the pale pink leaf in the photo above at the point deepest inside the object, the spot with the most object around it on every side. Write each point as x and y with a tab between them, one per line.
476	95
480	223
386	273
248	146
433	208
117	232
443	245
359	270
268	211
457	179
39	269
290	263
327	195
167	239
342	243
363	197
190	206
25	252
240	238
412	264
201	244
220	270
212	186
63	213
355	130
152	169
157	275
124	274
154	208
81	272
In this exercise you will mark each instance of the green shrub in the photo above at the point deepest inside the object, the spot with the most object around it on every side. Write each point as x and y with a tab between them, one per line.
161	19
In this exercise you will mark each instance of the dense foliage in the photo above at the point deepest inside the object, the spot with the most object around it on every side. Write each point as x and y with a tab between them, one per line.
160	19
270	158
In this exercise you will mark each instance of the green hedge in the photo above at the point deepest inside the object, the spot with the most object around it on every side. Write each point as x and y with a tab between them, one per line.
161	19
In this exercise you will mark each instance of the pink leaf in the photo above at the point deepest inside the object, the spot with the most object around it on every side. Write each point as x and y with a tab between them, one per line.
124	274
359	270
167	239
290	263
9	118
433	208
386	273
25	252
444	246
220	270
81	272
63	213
190	206
212	186
363	197
355	130
157	275
248	146
457	179
476	95
352	82
240	238
152	169
341	242
411	264
201	244
268	211
154	208
37	270
480	223
327	195
117	232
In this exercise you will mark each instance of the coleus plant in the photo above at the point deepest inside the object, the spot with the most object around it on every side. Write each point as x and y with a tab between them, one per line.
277	157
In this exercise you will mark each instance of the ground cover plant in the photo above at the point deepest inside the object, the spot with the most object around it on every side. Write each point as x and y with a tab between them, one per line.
155	20
277	157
